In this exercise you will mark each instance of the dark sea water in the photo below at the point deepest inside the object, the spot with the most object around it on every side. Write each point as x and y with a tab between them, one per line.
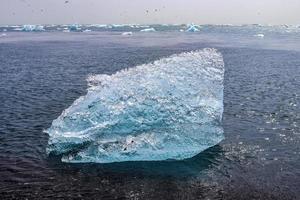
42	73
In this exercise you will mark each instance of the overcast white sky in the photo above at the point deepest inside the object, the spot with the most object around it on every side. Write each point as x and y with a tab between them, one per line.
150	11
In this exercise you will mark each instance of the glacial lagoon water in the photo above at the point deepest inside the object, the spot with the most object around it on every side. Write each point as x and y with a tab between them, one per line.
43	73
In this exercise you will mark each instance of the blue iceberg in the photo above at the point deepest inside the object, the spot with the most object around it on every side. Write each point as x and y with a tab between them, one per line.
169	109
192	28
30	28
74	27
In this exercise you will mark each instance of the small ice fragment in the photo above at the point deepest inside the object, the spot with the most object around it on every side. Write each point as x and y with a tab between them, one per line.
259	35
281	135
148	30
99	25
127	33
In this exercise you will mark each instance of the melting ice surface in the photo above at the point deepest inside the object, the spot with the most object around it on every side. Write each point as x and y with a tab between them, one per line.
169	109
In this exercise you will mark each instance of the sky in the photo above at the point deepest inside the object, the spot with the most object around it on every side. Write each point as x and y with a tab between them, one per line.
150	11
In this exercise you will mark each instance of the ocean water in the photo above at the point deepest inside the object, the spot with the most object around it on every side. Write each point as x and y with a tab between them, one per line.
42	73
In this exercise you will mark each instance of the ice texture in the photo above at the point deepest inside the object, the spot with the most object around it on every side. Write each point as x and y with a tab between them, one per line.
148	30
74	27
192	28
169	109
87	30
127	33
29	28
260	35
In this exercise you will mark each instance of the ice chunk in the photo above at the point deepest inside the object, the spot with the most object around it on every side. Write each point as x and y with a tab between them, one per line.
259	35
169	109
99	25
192	28
120	25
127	33
148	30
87	30
29	28
74	27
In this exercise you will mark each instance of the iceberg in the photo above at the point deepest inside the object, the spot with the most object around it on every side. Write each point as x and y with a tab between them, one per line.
148	30
169	109
74	27
29	28
99	25
120	25
192	28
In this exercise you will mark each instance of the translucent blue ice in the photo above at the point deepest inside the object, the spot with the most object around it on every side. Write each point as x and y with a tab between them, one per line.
192	28
74	27
29	28
169	109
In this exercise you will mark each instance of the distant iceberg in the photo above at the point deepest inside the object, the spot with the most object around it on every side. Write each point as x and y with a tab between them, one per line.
120	25
169	109
17	29
74	27
99	25
260	35
29	28
192	28
87	30
142	26
148	30
127	33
